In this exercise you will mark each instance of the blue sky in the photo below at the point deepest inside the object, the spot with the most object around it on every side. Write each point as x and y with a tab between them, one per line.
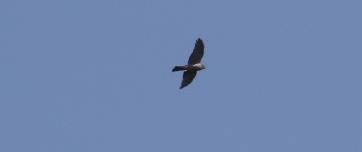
94	76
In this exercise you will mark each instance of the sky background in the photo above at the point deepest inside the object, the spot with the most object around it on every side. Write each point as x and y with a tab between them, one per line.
88	75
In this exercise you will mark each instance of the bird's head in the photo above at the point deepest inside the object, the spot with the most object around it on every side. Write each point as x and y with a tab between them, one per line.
202	66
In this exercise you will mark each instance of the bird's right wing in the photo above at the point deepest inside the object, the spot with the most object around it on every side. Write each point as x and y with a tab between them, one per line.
188	76
197	53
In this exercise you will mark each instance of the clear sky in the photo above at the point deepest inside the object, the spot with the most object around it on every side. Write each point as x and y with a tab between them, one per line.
91	76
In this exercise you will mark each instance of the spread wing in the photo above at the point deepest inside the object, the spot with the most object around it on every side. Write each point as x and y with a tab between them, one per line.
198	52
188	76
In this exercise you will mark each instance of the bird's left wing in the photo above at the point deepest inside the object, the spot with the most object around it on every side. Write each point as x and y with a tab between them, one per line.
187	78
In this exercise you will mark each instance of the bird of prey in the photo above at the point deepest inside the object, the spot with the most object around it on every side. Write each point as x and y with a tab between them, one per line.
193	65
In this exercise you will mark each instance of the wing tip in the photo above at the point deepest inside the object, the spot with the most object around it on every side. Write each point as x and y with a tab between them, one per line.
199	42
182	86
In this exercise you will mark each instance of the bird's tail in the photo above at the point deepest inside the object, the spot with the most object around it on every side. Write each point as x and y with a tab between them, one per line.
179	68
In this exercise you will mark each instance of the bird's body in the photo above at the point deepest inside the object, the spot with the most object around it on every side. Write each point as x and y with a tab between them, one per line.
194	64
195	67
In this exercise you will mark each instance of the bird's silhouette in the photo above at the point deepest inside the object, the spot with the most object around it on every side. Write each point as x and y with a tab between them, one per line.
193	65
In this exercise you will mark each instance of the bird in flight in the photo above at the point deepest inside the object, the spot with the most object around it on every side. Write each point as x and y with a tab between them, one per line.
193	65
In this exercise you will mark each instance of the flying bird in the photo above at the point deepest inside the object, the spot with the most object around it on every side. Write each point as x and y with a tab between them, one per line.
193	65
